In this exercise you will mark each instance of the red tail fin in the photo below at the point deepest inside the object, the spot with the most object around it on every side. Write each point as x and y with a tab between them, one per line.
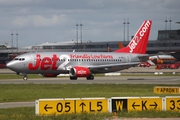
139	42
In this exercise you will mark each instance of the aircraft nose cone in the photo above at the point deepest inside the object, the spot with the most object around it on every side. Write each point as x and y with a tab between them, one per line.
9	65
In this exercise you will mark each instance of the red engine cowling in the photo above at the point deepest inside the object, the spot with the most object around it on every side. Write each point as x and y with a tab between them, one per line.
79	71
49	75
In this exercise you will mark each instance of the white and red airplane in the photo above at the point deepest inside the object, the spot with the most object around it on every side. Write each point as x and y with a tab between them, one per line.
84	64
162	59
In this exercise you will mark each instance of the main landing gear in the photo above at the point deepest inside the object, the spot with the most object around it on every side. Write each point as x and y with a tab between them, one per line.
73	78
90	77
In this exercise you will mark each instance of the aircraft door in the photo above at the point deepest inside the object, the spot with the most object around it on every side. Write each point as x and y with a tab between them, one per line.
24	66
33	58
79	61
128	58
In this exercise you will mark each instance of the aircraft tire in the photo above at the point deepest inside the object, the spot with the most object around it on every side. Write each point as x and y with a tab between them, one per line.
25	78
73	78
90	77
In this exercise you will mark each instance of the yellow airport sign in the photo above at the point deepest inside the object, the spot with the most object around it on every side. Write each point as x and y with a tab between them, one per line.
55	106
91	105
173	103
140	104
119	104
166	90
71	105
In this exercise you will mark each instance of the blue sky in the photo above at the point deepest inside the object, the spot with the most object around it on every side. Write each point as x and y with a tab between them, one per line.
40	21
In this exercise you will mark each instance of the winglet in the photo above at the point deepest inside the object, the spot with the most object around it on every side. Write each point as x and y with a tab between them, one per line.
139	42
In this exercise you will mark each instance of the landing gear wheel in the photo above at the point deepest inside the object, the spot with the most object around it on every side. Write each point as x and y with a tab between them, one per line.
73	78
90	77
25	78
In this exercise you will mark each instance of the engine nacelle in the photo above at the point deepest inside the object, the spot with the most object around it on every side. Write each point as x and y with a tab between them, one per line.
79	72
49	75
159	61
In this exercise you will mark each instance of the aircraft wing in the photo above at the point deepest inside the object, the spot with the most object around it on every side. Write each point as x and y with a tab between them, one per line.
143	57
119	66
162	53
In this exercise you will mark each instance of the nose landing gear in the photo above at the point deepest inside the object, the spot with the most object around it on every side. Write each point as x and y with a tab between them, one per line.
25	78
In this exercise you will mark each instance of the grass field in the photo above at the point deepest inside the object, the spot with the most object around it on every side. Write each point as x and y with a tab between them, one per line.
32	92
27	113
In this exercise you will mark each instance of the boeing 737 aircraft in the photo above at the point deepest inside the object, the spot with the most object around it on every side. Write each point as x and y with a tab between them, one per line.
84	64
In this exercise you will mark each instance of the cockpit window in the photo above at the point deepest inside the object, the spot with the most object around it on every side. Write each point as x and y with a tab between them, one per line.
20	59
16	58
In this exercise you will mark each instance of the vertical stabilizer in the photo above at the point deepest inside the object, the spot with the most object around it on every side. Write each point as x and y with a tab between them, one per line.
139	42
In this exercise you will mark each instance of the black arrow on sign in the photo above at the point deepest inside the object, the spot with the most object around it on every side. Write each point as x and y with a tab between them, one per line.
82	104
46	107
155	105
133	105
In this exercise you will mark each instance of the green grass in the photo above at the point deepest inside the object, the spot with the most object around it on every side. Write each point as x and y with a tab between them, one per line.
27	113
31	92
15	76
149	114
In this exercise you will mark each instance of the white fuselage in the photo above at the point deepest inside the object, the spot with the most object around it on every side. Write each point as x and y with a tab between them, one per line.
61	62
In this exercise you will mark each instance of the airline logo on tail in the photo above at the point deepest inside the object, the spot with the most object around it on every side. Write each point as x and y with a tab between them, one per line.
132	45
139	42
136	39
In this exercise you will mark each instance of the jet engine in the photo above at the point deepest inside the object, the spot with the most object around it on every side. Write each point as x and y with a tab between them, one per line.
159	61
79	72
49	75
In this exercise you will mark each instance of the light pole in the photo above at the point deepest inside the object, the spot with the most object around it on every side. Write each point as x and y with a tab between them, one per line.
17	40
81	35
128	29
12	41
124	30
166	23
77	34
170	23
